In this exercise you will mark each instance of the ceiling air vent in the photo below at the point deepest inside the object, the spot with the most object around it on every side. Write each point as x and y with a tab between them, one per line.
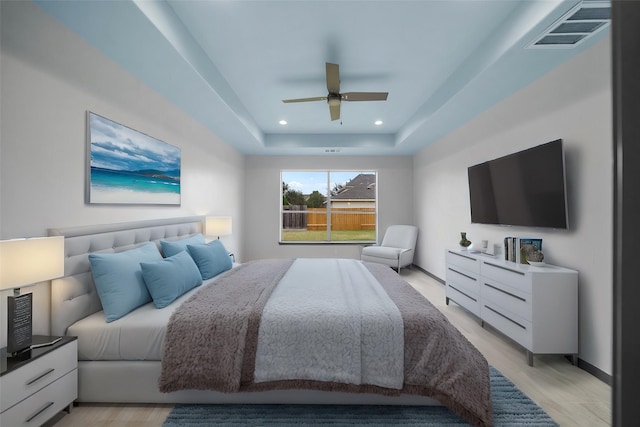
581	22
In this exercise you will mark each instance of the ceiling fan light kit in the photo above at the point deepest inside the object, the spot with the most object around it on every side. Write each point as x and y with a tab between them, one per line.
334	98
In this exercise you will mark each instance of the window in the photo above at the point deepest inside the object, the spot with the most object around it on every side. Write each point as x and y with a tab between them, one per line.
328	206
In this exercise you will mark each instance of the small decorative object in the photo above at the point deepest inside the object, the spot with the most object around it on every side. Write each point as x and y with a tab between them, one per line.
464	242
537	264
531	254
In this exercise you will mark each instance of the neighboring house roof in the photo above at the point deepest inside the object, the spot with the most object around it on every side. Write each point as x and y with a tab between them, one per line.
362	186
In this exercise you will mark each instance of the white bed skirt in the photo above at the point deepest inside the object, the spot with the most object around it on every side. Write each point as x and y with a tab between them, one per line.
136	382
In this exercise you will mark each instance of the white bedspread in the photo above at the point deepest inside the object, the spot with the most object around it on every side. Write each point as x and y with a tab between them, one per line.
138	335
331	324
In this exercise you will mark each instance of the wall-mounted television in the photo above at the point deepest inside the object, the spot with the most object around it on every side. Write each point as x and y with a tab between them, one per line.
526	188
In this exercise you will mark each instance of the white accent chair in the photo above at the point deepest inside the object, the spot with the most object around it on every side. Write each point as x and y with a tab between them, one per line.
397	247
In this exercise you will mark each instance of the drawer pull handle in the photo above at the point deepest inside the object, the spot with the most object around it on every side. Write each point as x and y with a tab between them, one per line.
463	256
44	408
462	274
502	315
470	297
505	268
39	377
505	292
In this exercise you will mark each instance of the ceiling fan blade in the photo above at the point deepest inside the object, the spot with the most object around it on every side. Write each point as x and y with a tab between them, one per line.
317	98
365	96
334	110
333	77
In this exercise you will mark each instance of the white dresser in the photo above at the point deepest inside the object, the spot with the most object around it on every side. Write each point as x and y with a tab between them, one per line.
38	385
537	307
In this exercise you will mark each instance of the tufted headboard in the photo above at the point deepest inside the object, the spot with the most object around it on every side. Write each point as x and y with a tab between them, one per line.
74	295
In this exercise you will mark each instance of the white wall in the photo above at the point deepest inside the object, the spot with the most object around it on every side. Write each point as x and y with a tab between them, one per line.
572	102
262	201
49	78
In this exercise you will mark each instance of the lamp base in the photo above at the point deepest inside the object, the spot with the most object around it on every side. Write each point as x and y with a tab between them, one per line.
19	325
24	354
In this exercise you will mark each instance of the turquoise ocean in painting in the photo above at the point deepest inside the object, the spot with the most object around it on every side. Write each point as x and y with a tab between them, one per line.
147	181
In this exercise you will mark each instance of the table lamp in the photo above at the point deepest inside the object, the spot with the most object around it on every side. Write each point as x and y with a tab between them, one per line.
218	226
25	262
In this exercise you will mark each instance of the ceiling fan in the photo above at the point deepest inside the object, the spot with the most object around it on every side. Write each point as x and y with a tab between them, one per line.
334	98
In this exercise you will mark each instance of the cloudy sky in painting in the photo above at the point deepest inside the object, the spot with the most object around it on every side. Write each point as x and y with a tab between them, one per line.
118	147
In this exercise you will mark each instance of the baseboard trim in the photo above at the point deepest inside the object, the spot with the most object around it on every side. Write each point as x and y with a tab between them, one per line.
596	372
585	366
433	276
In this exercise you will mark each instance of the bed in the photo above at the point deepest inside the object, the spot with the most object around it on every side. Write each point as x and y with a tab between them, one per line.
122	361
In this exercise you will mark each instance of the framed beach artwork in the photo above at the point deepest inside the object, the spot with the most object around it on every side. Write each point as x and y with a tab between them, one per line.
128	167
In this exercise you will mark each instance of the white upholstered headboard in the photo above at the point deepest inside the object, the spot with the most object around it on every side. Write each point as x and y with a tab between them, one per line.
74	295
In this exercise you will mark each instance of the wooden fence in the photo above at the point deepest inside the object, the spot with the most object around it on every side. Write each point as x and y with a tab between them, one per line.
314	219
294	217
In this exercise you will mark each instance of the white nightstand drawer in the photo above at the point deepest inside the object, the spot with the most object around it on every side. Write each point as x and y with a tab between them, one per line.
463	261
40	407
512	277
21	383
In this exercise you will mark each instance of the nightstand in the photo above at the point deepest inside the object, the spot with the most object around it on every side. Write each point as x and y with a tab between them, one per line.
39	383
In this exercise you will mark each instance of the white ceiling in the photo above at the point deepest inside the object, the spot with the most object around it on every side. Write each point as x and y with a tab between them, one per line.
228	64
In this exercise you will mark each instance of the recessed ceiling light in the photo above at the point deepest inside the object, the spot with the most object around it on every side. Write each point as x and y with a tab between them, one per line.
378	122
283	122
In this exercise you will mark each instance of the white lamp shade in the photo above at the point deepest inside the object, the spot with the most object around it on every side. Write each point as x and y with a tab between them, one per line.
218	226
29	261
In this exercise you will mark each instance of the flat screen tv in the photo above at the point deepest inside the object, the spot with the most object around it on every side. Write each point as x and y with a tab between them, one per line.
526	188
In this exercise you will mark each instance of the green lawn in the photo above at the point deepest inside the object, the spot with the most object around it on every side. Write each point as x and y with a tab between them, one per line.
336	236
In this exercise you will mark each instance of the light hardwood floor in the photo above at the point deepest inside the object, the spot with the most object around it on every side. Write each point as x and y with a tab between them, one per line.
571	396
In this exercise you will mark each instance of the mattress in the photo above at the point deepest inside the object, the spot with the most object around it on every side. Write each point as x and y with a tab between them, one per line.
138	335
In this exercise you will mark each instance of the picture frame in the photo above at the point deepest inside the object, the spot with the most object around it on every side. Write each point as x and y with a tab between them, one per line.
125	166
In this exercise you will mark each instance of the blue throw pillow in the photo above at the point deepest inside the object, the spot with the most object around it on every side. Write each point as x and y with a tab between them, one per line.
170	248
211	258
118	279
166	280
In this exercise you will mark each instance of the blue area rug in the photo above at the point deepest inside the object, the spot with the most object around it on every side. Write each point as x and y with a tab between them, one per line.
511	407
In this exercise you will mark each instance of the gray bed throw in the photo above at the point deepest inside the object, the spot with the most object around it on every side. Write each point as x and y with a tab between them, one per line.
215	349
359	336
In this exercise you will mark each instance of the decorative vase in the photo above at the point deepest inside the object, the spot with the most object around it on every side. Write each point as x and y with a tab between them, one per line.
463	240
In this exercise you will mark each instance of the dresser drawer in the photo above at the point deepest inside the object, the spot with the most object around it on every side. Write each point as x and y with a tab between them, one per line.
511	299
514	278
463	261
463	280
512	326
40	407
464	299
21	383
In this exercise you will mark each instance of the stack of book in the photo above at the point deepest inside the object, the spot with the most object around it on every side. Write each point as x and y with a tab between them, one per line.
513	246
